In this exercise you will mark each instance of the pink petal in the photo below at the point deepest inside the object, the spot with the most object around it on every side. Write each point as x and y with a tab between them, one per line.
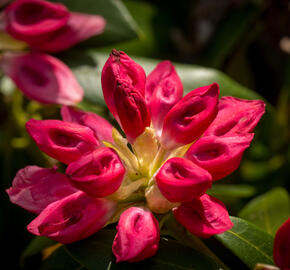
220	156
137	235
121	66
236	116
131	109
204	216
99	174
163	90
34	20
78	28
34	188
190	117
42	77
101	127
282	246
180	180
64	141
73	218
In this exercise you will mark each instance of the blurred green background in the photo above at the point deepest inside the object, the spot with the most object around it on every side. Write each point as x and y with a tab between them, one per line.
243	41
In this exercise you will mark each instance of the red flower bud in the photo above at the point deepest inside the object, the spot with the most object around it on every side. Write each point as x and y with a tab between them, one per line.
236	117
42	77
282	246
34	188
190	117
99	174
101	127
180	180
163	90
220	156
73	218
131	109
137	235
33	20
204	216
49	27
64	141
120	66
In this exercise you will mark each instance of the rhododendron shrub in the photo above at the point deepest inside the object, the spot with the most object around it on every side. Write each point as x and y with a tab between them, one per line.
175	148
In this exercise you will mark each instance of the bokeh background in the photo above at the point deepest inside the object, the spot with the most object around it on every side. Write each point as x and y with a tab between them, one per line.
249	40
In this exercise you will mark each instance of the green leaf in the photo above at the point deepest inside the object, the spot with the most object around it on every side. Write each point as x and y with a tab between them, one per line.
95	253
236	191
61	260
36	246
269	210
87	66
120	24
248	242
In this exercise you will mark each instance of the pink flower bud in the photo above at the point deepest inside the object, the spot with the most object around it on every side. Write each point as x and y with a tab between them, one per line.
236	116
78	28
190	117
282	246
99	174
137	235
73	218
34	188
220	156
204	216
163	90
64	141
33	20
49	26
180	180
101	127
131	109
42	77
121	66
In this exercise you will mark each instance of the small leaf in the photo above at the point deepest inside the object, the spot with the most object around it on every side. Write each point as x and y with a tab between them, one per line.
269	210
36	246
61	260
248	242
96	253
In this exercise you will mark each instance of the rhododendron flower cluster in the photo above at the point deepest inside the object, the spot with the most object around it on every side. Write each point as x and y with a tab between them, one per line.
175	147
46	27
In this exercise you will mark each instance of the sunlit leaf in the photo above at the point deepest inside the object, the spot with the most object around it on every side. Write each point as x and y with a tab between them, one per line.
248	242
269	210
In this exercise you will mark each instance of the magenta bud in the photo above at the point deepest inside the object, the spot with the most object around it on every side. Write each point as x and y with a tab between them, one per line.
42	77
99	174
282	246
120	66
220	156
64	141
133	114
101	127
78	28
236	117
34	188
204	216
137	235
49	27
73	218
34	20
190	117
180	180
163	90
